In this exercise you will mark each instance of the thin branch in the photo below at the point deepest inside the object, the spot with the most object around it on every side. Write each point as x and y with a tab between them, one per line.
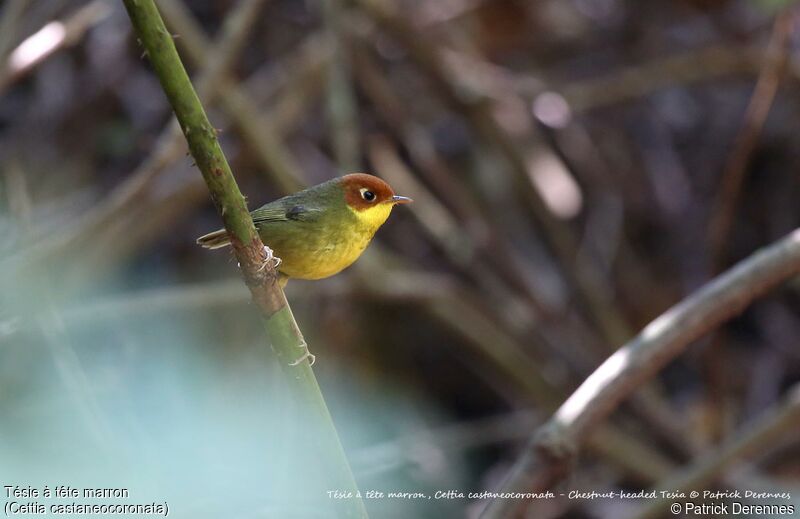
554	447
256	264
733	176
637	81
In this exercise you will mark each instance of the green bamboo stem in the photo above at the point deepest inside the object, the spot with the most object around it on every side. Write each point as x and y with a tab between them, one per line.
258	270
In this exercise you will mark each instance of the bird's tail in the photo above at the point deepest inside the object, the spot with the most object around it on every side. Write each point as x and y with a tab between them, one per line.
214	240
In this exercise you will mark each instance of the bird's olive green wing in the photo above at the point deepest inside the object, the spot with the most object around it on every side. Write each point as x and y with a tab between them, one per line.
285	212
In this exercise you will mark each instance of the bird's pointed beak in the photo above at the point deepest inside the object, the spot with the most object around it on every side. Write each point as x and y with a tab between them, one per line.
397	199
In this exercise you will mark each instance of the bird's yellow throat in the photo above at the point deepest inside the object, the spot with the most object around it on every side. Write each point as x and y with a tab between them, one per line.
373	217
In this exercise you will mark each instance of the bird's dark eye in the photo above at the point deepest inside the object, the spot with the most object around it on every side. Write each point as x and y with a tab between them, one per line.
367	195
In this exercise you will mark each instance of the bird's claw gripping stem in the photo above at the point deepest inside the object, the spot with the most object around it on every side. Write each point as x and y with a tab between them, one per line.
271	260
306	355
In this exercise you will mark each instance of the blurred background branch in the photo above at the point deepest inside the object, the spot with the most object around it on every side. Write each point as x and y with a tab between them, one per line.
777	423
549	455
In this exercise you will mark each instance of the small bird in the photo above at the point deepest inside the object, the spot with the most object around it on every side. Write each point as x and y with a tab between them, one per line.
321	230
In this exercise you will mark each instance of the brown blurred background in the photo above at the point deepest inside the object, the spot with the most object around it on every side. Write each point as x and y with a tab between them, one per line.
578	167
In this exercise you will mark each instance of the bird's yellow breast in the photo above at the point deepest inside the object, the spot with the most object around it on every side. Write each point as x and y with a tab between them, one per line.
334	248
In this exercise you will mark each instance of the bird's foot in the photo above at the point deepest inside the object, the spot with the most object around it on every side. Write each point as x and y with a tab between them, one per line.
306	355
271	262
